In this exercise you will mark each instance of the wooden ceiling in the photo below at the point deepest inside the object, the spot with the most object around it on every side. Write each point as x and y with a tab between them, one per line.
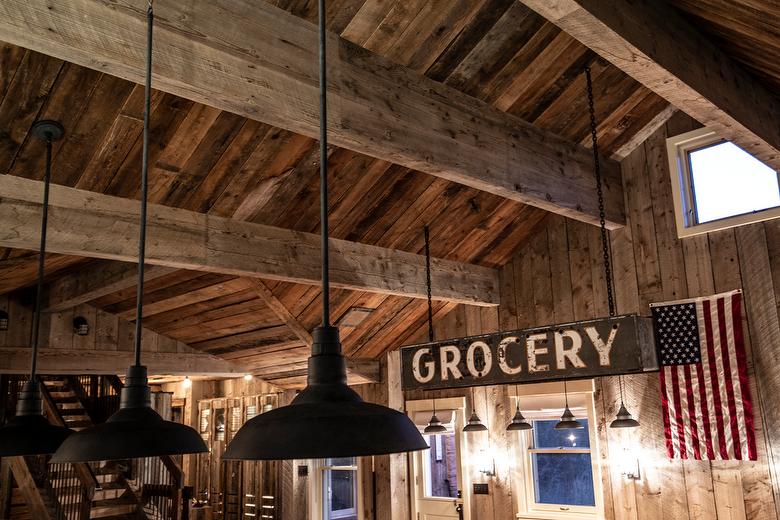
747	30
222	164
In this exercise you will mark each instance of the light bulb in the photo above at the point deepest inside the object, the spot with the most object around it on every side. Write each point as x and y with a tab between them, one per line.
187	382
247	377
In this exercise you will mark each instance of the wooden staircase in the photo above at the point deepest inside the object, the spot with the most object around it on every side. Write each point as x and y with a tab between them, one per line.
141	489
112	497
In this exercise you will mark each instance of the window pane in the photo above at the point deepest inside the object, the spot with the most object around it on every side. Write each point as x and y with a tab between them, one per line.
343	461
441	476
563	478
342	496
546	436
728	181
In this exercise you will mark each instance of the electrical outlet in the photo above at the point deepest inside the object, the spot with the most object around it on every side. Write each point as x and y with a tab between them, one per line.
481	489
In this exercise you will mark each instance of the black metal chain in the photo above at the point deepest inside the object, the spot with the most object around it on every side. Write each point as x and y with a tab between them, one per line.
428	281
139	295
600	194
34	339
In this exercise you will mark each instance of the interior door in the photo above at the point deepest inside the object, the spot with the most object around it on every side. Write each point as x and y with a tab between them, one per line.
438	479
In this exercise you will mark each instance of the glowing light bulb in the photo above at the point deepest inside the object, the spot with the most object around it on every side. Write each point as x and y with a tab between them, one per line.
247	377
187	382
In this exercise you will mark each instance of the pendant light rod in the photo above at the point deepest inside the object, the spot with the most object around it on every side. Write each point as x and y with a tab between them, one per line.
565	394
600	194
139	297
428	280
35	338
324	171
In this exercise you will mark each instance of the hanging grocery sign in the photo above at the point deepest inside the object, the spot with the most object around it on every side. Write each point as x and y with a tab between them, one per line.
608	346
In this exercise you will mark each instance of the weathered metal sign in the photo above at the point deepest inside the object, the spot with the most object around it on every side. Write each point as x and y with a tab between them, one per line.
608	346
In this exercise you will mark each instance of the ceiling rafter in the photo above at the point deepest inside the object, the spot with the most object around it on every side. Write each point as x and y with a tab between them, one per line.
653	43
263	66
101	226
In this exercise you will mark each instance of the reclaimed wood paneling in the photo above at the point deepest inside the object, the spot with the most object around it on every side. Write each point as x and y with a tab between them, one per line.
557	275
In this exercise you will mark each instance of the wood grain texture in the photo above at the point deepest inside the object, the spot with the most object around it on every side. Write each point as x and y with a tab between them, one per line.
413	121
101	226
658	47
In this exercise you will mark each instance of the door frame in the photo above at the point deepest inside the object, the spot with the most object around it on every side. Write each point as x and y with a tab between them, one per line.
458	404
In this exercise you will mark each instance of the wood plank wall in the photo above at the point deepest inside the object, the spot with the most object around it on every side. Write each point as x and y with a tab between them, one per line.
556	276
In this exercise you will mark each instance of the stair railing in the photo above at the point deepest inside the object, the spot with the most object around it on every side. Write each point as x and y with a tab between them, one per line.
73	485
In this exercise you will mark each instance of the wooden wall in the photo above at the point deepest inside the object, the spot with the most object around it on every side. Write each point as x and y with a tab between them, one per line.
557	276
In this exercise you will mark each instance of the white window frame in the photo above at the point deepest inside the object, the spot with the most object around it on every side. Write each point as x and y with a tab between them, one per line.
678	149
527	506
318	468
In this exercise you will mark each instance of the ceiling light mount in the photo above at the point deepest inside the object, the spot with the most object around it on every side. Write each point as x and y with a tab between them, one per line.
46	129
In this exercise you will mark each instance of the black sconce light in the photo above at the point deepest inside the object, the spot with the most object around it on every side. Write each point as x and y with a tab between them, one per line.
3	321
80	326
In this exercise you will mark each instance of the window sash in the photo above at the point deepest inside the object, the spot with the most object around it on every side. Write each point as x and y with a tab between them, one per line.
679	150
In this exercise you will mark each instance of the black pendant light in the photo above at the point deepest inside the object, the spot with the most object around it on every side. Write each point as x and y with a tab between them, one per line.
519	422
624	419
434	424
28	432
327	419
474	423
136	430
568	421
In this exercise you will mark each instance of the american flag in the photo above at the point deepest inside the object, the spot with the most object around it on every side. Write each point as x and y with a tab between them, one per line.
707	410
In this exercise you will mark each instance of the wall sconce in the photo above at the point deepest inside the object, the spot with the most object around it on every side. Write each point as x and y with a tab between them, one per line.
80	326
630	465
486	464
3	321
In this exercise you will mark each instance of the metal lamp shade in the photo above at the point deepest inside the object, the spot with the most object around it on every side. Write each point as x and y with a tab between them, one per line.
29	433
474	424
624	419
327	419
568	422
519	423
434	426
134	431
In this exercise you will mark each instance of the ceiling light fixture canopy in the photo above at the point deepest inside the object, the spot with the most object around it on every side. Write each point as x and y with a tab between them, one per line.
136	430
29	432
327	419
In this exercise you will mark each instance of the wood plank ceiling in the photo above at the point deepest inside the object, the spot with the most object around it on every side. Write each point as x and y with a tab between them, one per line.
222	164
747	30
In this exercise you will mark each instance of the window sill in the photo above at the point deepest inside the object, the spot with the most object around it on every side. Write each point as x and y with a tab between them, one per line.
557	515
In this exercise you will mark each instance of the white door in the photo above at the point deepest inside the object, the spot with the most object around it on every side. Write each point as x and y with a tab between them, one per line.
437	478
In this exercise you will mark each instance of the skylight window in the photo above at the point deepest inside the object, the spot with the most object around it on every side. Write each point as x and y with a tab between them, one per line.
719	185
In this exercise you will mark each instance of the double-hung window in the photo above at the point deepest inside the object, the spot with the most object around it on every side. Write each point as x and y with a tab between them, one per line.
716	184
336	489
561	476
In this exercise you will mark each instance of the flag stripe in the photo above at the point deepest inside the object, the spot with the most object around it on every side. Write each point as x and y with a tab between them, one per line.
744	383
705	389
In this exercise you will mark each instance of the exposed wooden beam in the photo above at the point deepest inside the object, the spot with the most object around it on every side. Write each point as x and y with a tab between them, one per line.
88	224
259	61
644	133
95	282
658	47
282	312
16	360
